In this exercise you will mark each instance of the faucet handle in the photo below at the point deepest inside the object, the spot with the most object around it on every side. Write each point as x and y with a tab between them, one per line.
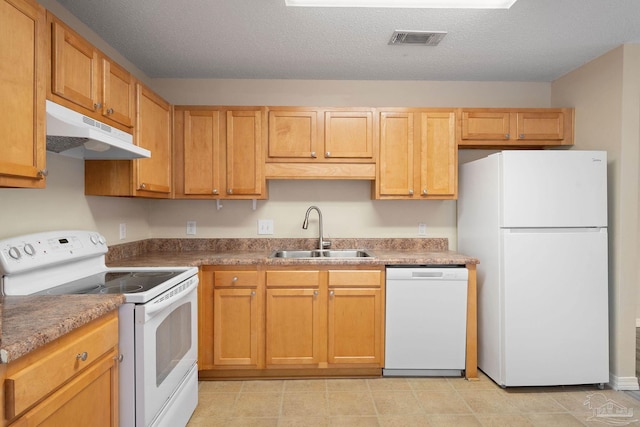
326	244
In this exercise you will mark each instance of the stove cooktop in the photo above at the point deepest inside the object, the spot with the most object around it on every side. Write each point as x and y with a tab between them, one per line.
121	282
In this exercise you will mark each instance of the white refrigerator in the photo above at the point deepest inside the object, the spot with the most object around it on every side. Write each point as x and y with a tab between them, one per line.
537	221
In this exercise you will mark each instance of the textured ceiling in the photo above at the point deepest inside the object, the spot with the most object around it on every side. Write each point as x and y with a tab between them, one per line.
535	40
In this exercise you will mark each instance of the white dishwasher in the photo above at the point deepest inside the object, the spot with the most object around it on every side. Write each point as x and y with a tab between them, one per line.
426	321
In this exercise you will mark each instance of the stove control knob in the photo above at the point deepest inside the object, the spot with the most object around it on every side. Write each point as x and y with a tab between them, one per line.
94	239
101	240
29	249
14	252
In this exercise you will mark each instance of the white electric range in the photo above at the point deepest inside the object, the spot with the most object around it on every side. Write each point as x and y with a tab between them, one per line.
158	329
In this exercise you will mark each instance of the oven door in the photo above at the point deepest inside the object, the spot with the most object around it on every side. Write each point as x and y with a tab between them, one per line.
166	342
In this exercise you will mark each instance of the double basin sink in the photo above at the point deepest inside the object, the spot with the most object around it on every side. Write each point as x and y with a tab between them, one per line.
325	253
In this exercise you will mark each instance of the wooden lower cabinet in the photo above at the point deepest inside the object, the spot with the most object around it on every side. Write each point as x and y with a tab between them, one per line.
53	387
295	318
286	322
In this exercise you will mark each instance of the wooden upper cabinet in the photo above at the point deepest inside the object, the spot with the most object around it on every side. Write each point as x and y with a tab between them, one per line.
244	153
202	153
502	128
153	132
22	94
396	162
293	134
219	152
84	79
438	155
320	135
75	65
418	155
152	177
348	135
118	93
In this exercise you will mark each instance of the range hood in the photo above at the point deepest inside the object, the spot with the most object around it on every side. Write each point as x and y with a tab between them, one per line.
76	135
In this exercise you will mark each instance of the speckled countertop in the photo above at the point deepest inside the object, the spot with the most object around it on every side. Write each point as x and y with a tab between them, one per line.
29	322
196	252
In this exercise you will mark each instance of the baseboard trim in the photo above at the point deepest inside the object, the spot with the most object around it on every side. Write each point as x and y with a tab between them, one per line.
623	383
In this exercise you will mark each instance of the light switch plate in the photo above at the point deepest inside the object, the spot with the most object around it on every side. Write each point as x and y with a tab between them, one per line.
265	226
422	229
123	231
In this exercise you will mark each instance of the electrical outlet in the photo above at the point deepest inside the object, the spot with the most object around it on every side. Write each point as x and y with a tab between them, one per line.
123	231
422	229
191	227
265	226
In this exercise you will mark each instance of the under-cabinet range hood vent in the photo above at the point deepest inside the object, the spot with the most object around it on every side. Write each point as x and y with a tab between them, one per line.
424	38
75	135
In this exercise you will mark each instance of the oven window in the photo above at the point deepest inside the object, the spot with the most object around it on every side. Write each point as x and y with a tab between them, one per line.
173	340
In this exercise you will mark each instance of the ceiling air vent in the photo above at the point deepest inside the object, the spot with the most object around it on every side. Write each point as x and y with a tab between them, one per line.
426	38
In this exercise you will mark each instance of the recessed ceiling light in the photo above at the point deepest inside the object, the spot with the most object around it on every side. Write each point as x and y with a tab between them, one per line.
427	4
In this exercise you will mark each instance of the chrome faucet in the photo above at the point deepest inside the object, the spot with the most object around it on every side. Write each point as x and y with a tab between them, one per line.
321	243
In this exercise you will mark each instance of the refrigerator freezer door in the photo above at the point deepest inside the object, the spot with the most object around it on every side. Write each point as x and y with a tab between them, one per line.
555	320
554	188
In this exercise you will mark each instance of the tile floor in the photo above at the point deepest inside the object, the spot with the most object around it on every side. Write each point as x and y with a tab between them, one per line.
405	402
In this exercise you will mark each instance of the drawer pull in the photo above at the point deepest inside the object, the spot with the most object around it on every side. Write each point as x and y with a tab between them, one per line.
82	356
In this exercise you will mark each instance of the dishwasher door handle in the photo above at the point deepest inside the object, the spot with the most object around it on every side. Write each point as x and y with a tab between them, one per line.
427	274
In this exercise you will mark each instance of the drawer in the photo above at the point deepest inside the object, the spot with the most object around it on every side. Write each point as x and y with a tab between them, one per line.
355	278
236	279
46	369
294	279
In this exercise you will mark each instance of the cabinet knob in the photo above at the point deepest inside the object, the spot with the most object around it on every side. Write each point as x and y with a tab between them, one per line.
215	191
332	293
411	192
119	358
43	172
110	111
313	154
82	356
327	154
424	192
253	293
522	136
315	293
507	135
143	186
229	190
235	279
97	105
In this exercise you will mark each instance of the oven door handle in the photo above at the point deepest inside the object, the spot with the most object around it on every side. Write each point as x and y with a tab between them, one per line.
172	296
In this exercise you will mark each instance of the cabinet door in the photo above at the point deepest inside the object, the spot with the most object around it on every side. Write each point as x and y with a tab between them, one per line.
236	327
355	326
245	169
293	327
488	125
438	155
118	93
153	132
22	94
74	68
293	134
532	126
396	163
348	134
91	399
202	174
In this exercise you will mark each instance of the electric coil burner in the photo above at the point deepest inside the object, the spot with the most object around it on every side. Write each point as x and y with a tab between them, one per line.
158	380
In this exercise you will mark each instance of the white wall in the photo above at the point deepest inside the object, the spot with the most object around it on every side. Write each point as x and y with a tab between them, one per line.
606	95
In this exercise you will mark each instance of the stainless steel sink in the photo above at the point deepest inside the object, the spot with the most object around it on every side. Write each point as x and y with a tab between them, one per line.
327	253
